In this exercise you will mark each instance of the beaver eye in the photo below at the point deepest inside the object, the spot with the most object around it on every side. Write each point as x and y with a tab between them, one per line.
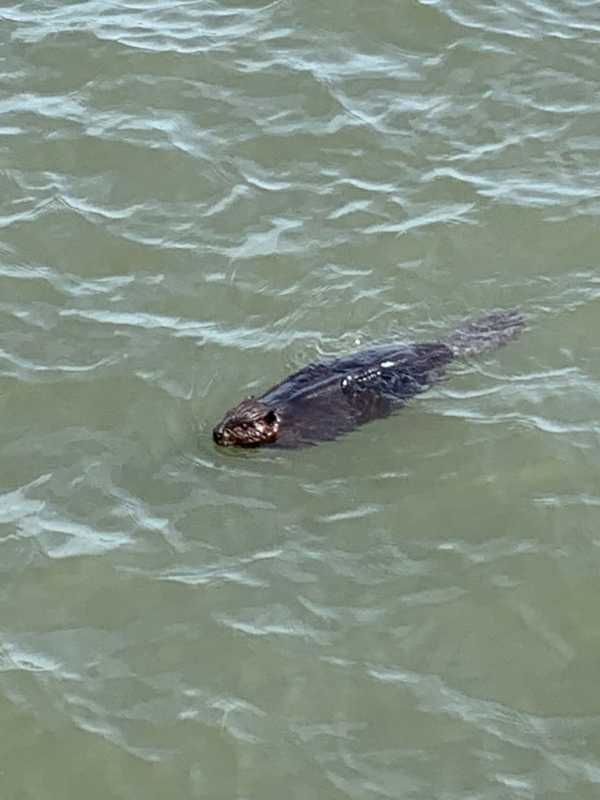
270	418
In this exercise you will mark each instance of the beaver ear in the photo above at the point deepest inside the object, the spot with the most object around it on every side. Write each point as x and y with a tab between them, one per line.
270	417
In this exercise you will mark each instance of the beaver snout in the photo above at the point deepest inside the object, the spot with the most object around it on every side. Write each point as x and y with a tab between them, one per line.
219	436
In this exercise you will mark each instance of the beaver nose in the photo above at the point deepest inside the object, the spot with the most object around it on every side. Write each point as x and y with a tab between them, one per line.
218	435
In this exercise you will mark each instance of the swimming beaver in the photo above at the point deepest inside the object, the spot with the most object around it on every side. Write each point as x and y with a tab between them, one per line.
324	400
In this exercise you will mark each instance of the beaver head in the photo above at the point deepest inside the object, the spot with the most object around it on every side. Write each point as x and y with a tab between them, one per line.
250	424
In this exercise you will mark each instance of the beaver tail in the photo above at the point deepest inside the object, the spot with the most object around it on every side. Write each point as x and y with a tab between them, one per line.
486	333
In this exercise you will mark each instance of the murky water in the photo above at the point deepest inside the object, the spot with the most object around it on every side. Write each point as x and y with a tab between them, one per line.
195	199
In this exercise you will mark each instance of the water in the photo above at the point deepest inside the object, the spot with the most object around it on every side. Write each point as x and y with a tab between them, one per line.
197	198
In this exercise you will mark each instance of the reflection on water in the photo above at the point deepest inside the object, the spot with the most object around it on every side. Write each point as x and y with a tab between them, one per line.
197	199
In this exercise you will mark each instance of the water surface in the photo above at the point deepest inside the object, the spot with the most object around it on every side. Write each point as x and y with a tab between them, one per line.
197	198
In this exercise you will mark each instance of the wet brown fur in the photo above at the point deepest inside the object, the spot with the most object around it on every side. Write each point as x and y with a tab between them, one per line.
323	401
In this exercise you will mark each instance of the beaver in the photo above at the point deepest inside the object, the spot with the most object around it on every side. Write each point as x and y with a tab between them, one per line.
325	400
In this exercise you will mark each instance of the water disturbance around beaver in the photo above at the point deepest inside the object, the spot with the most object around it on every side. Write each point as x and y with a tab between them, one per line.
325	400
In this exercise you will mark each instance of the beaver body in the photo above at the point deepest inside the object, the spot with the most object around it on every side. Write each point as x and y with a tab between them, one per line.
325	400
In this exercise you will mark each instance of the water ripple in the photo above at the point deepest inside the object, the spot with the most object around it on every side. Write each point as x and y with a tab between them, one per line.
196	198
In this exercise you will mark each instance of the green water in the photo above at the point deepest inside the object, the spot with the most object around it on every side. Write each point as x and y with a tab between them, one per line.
196	199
